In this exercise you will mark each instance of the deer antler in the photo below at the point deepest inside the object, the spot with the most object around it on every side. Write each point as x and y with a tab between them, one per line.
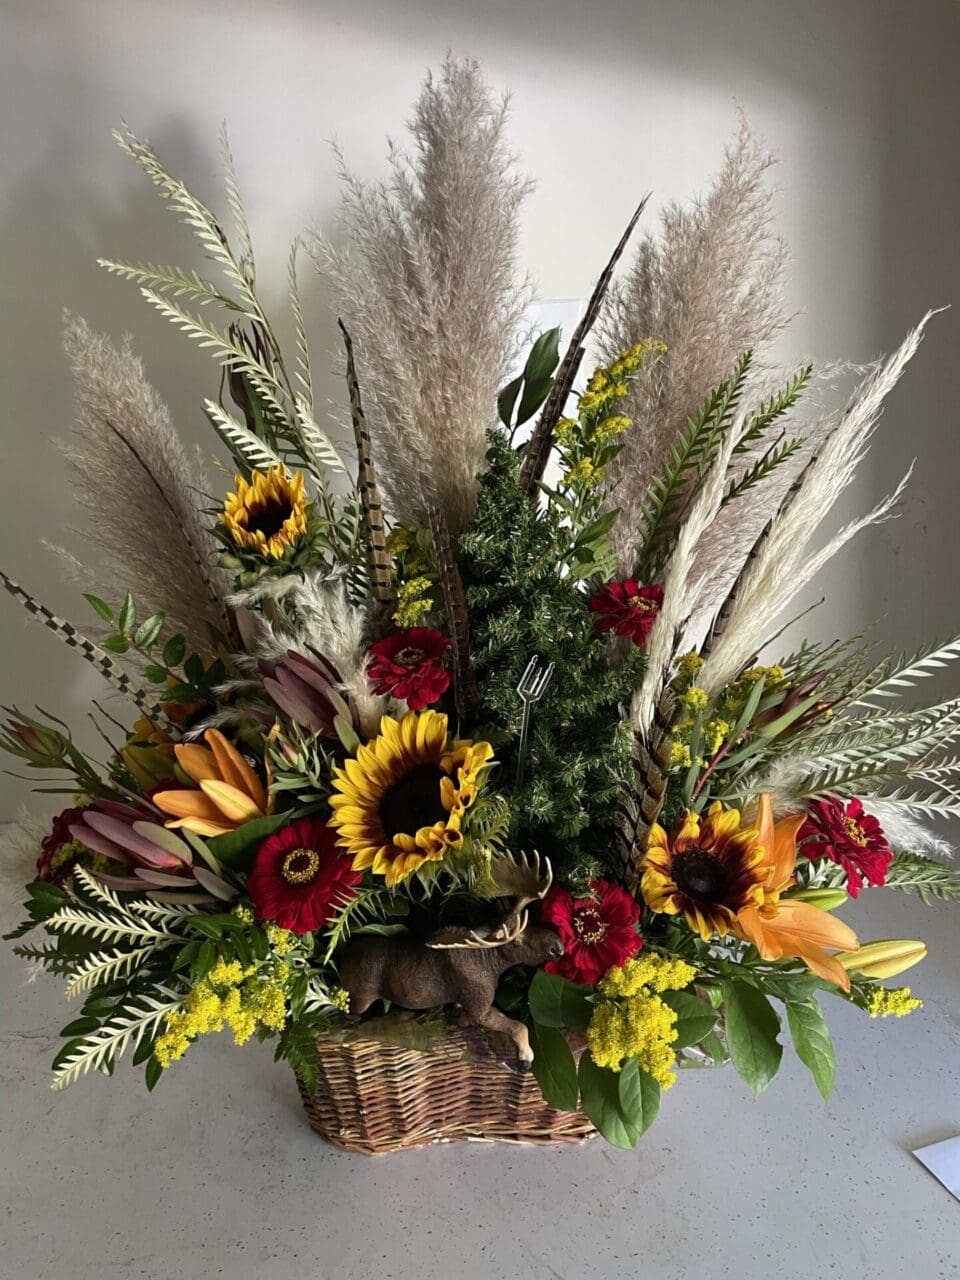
521	879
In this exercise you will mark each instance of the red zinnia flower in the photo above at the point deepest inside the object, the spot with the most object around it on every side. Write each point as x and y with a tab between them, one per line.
628	609
597	932
300	875
409	664
50	866
848	836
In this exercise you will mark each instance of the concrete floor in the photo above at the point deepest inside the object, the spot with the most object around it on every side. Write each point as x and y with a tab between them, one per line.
217	1174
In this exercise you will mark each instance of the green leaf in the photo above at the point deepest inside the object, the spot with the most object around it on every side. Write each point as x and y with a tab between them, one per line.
115	644
618	1119
101	607
811	1039
148	631
639	1094
128	615
599	528
237	849
81	1027
174	650
554	1067
507	399
752	1027
144	1050
555	1002
695	1018
544	356
788	986
152	1074
713	1045
155	674
534	394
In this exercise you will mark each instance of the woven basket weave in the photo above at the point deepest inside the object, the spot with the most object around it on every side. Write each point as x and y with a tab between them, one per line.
376	1095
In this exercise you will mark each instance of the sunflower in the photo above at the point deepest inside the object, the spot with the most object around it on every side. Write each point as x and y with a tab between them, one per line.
710	870
402	800
267	514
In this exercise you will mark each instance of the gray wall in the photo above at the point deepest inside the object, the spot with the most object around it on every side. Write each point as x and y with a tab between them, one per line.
609	98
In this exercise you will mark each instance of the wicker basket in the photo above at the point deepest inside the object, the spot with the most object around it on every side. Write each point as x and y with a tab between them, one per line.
386	1086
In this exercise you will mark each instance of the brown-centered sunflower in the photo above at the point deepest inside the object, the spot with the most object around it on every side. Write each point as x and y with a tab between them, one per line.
267	514
708	871
401	801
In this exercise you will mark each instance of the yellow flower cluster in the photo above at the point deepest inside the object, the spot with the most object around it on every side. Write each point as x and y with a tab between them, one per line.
658	973
634	1022
585	473
232	996
413	602
688	667
894	1002
735	695
340	999
695	699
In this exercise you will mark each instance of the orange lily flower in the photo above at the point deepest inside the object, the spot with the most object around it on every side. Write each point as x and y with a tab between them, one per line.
230	793
779	928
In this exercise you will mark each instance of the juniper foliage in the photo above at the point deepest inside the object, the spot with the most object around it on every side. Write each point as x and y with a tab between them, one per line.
519	607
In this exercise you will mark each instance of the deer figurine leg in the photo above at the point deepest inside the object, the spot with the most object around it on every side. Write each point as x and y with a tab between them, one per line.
494	1020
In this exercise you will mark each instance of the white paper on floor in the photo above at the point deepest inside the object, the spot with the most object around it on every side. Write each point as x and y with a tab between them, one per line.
943	1161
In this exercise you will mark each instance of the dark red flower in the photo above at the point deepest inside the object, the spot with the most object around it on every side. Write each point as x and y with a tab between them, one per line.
300	876
597	932
60	850
848	836
409	665
627	609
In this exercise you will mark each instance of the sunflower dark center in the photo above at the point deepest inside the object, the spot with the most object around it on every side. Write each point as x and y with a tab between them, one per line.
588	925
409	656
413	801
269	519
700	875
300	866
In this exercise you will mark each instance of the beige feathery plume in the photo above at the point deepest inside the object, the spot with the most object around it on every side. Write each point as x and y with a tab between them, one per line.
710	287
132	479
429	290
782	565
680	588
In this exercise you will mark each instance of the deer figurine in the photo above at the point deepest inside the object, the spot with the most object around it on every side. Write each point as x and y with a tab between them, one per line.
458	965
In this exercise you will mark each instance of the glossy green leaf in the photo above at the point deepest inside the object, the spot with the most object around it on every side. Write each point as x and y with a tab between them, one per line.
695	1017
152	1074
617	1118
174	650
101	607
555	1002
115	644
812	1041
128	615
147	632
639	1094
752	1027
554	1067
238	849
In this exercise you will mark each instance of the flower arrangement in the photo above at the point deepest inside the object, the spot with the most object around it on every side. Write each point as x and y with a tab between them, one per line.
471	714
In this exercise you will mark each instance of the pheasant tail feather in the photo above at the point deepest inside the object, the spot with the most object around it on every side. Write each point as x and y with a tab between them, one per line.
538	448
465	695
642	809
381	566
99	658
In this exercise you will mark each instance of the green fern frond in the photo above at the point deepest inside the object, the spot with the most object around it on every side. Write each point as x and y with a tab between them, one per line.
302	374
173	280
234	200
765	465
772	409
927	878
123	1030
248	450
99	925
191	210
105	966
902	671
365	906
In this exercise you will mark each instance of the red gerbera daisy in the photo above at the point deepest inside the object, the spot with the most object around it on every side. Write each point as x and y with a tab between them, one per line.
300	875
409	665
597	932
848	836
627	609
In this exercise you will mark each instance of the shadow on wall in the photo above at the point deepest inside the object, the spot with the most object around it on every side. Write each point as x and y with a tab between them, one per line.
827	84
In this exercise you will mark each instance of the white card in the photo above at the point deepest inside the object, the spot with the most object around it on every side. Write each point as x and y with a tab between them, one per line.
943	1161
